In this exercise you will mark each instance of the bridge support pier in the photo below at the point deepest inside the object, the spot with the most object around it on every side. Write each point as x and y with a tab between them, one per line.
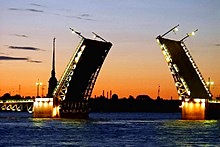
49	108
76	110
43	108
200	109
194	109
56	111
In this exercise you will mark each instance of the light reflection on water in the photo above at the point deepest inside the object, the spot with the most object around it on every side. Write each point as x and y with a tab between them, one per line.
108	129
192	133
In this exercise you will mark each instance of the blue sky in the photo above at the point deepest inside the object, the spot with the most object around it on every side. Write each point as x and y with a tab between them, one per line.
131	26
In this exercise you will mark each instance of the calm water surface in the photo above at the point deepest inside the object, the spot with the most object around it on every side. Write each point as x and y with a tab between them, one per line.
108	129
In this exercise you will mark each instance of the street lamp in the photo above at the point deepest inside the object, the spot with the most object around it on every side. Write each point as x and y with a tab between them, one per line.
38	84
209	83
189	34
42	90
97	36
78	33
174	29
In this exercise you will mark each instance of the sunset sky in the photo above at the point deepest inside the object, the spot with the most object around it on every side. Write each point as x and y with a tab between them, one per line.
135	64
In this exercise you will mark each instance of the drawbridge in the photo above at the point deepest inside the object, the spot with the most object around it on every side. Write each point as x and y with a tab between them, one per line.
190	84
77	81
187	77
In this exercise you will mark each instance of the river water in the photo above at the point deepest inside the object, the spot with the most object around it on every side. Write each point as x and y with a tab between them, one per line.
108	129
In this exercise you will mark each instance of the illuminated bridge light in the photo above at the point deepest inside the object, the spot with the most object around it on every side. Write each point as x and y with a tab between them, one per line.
188	92
77	59
176	68
83	47
175	30
158	41
163	46
197	100
176	84
187	99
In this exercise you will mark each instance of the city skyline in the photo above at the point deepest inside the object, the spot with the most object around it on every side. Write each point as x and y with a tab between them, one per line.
135	64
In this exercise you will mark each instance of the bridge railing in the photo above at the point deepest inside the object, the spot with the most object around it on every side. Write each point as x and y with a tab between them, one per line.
214	101
18	101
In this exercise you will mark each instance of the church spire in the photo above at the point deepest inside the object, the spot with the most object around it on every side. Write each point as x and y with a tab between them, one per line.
53	80
53	59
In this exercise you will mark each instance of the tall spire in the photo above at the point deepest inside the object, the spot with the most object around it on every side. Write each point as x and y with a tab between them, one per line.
53	80
53	59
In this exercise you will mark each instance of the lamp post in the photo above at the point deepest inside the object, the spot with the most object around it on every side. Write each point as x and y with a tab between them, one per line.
38	84
174	29
42	90
189	34
209	83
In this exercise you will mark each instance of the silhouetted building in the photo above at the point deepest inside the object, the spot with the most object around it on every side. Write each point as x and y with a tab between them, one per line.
53	80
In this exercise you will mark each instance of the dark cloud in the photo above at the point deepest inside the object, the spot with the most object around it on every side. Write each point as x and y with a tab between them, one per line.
34	10
82	17
74	17
16	9
31	10
89	19
37	5
34	61
24	48
85	15
19	35
10	58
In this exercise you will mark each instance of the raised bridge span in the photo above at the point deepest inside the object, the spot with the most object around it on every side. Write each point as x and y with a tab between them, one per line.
77	82
197	101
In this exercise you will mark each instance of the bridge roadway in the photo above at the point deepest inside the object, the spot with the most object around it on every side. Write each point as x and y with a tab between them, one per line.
17	105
